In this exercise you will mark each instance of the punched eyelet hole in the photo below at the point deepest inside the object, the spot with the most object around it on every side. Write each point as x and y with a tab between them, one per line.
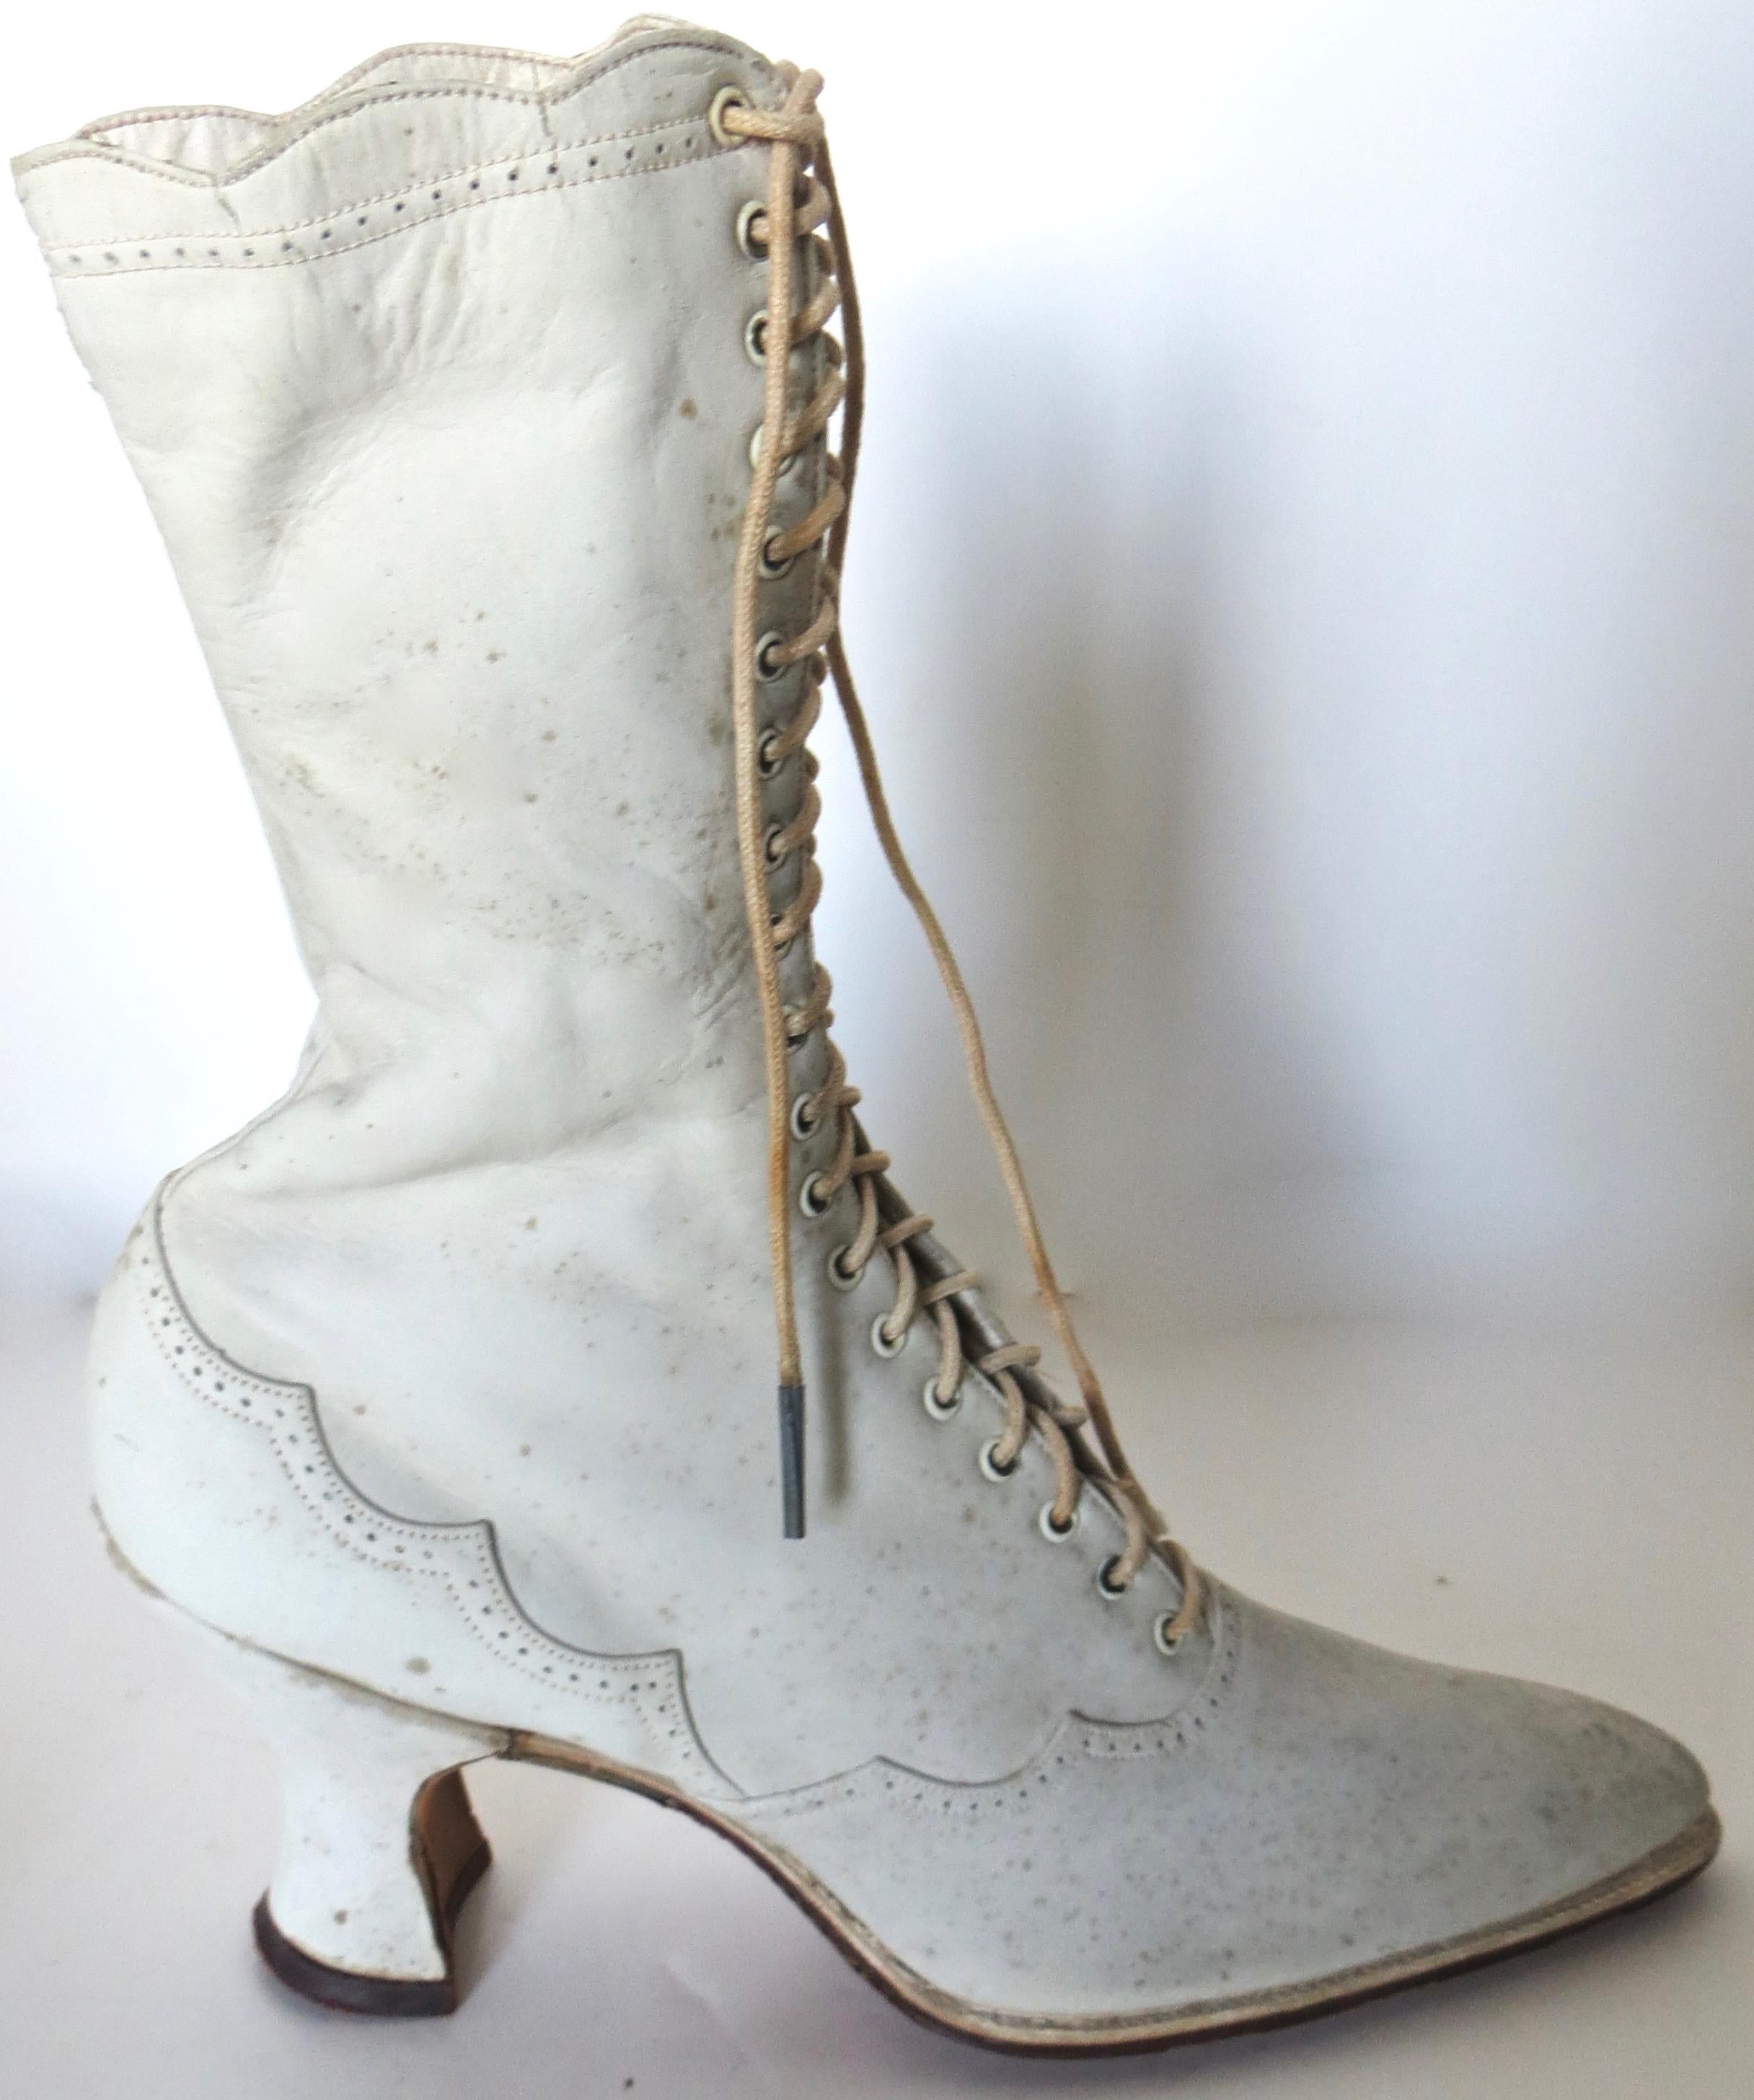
753	242
772	566
1168	1643
803	1124
768	663
810	1199
1056	1534
755	337
935	1405
775	832
842	1277
1106	1585
786	465
989	1463
768	758
726	98
881	1341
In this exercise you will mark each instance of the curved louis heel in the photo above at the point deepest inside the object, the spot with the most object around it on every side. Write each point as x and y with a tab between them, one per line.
379	1846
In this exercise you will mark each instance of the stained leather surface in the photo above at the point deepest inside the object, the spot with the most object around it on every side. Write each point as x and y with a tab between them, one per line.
1319	1805
222	1487
1312	1804
439	392
455	512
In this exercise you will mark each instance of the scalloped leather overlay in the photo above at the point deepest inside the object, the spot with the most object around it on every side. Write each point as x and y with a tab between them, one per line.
904	1791
461	1559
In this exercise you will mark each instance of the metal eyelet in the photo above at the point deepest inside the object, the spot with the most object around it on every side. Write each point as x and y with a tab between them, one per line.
990	1466
804	1126
765	668
755	208
839	1275
775	832
786	465
1057	1534
810	1199
940	1410
726	98
767	763
755	337
1167	1643
1105	1584
881	1343
771	569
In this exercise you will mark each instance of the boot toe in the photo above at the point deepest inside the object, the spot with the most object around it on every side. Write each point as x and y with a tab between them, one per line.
1586	1791
1392	1818
1318	1821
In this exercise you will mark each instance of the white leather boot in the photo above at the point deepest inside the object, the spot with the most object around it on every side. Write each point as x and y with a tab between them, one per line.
443	1393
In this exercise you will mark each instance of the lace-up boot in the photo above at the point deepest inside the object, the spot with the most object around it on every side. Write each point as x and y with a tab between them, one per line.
556	1372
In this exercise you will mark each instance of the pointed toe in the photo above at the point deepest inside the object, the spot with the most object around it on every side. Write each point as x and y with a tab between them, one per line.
1319	1822
1605	1792
1448	1816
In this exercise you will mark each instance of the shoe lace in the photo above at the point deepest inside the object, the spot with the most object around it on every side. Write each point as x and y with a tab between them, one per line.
802	204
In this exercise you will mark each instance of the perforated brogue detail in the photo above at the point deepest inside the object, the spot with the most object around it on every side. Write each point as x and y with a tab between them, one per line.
460	1559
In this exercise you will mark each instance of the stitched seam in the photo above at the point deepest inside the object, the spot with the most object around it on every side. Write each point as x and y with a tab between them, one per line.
1077	1737
523	98
1116	1741
546	189
51	156
52	248
155	120
472	1538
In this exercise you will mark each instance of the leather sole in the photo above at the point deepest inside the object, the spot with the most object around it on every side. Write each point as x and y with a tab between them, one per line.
1667	1868
450	1854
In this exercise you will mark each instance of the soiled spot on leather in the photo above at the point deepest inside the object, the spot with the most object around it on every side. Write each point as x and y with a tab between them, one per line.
1324	1804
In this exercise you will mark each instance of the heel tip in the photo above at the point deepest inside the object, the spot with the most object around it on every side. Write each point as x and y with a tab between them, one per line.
342	1989
452	1855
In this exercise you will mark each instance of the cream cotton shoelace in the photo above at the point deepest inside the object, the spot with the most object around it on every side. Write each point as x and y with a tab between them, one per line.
802	204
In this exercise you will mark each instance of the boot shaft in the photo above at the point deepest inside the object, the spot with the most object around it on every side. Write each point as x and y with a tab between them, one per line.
439	391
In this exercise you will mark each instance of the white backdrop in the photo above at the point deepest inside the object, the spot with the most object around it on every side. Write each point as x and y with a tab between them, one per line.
1300	580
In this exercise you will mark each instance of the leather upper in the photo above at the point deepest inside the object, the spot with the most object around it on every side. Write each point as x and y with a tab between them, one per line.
461	1354
455	510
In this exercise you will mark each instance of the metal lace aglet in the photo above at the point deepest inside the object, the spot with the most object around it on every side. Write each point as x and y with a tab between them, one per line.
792	1457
